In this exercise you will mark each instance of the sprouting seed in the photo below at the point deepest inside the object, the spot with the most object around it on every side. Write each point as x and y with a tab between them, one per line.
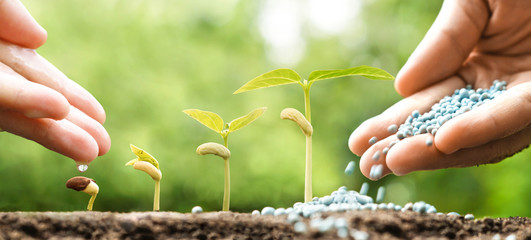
469	216
373	140
148	164
350	168
376	156
86	185
392	128
381	194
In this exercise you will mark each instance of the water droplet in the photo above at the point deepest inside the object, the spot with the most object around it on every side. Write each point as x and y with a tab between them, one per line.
82	167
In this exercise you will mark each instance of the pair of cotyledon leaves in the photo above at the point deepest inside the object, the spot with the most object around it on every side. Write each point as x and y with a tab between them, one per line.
142	156
278	77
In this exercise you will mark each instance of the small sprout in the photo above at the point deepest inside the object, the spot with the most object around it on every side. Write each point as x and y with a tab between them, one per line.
285	76
86	185
296	116
197	209
148	164
215	122
350	168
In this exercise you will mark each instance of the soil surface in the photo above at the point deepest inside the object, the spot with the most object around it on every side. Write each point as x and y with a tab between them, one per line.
228	225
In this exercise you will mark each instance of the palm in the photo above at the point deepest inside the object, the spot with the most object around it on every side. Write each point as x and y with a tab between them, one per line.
474	43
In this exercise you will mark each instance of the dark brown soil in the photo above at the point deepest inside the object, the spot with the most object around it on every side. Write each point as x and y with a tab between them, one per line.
229	225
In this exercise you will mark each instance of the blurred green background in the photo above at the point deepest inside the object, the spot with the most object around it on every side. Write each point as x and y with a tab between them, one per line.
146	61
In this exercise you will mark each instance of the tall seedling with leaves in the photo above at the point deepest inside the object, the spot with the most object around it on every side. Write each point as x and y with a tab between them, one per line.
288	76
215	122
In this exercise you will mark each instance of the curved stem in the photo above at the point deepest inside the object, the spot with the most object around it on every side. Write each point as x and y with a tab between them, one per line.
226	192
308	170
156	198
91	202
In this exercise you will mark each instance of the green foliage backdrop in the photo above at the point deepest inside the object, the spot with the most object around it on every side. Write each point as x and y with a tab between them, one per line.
146	61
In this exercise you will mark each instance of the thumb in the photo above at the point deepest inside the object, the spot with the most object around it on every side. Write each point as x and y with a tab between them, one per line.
445	47
18	26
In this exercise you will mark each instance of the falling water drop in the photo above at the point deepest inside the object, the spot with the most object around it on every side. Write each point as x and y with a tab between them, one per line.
82	167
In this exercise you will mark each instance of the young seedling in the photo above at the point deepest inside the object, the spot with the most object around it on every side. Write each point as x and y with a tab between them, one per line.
147	163
287	76
86	185
215	122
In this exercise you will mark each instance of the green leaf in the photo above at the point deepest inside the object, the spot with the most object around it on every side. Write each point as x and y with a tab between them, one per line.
365	71
245	120
274	78
209	119
142	156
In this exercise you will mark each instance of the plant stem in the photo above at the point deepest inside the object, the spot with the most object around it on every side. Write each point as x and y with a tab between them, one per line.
91	202
156	198
226	192
308	170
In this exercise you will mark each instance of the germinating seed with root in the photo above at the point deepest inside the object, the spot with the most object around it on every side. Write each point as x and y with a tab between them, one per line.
85	185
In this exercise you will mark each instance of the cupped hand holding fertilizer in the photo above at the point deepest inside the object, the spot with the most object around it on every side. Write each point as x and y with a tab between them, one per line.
37	101
449	85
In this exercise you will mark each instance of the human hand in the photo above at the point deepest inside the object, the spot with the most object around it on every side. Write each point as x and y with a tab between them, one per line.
37	101
471	42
